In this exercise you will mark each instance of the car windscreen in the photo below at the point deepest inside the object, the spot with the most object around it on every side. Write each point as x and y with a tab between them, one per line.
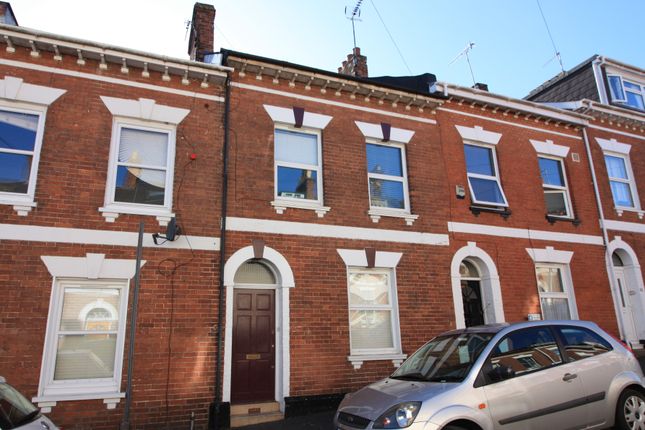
15	410
444	359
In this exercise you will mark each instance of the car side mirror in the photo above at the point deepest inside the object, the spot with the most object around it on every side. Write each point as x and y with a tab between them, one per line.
500	373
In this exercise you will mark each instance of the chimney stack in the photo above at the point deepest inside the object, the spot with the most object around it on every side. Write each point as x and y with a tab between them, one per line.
356	64
202	30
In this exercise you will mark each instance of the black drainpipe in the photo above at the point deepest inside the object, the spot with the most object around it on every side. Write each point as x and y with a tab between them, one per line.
220	411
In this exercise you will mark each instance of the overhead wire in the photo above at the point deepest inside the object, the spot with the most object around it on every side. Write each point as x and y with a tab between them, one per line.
391	37
548	30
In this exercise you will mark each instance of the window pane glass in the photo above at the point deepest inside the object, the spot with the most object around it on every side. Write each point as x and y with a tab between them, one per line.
385	160
297	183
15	170
468	270
616	167
85	356
551	171
136	185
18	131
526	351
486	190
143	147
387	194
479	160
616	88
371	329
296	147
549	280
253	272
631	86
90	309
555	203
621	193
635	100
581	343
368	289
555	309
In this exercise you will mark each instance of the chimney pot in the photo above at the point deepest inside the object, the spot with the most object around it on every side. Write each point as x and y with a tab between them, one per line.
355	65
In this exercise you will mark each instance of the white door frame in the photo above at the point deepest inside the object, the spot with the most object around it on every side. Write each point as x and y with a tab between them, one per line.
633	288
285	281
489	284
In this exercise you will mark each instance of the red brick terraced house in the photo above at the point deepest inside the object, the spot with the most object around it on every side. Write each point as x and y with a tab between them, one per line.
94	140
325	226
613	94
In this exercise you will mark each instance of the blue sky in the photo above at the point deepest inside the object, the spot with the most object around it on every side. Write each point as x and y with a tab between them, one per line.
511	54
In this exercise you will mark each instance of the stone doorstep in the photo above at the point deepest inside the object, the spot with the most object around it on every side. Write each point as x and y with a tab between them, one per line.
255	413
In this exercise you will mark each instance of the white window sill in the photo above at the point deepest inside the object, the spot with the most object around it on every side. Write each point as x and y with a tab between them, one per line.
21	206
377	213
46	403
357	360
281	205
112	212
620	209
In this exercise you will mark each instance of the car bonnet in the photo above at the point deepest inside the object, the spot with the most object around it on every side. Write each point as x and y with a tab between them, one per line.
372	401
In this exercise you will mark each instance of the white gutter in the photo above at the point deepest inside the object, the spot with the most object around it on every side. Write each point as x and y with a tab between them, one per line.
538	109
600	82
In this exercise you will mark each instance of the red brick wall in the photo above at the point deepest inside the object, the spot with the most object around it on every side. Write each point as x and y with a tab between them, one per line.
174	372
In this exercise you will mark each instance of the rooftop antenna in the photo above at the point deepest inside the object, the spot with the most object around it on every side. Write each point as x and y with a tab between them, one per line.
187	23
464	53
354	16
555	49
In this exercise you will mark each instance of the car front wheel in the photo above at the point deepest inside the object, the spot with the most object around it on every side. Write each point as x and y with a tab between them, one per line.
631	411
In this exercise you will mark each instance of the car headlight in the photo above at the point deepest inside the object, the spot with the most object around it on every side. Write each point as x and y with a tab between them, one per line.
399	416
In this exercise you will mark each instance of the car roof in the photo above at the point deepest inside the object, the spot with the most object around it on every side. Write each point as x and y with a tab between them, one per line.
496	328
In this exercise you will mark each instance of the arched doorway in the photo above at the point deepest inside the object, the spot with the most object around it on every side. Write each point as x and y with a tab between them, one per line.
471	294
476	290
254	285
629	292
253	355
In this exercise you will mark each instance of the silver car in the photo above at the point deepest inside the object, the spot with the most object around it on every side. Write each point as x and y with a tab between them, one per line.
544	375
18	413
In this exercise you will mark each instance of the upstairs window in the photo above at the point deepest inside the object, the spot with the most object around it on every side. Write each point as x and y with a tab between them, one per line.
298	166
141	172
388	182
142	158
619	180
23	108
625	92
483	176
18	147
554	183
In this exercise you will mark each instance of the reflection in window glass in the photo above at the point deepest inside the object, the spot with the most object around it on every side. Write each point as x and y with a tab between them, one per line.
385	172
297	183
580	343
17	145
619	181
297	165
371	311
526	351
141	166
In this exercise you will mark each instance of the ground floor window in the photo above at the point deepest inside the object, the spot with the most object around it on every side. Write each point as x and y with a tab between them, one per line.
554	292
373	315
85	335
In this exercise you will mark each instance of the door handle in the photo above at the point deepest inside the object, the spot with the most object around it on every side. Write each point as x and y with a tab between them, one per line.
569	376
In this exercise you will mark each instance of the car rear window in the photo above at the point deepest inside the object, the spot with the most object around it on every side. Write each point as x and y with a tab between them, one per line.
15	410
580	343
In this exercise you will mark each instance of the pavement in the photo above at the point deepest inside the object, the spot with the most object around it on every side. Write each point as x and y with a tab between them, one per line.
324	420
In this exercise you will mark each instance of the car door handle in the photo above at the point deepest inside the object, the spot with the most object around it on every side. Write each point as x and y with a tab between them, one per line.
569	376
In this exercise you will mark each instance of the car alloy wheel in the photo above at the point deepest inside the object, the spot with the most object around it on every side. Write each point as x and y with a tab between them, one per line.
633	407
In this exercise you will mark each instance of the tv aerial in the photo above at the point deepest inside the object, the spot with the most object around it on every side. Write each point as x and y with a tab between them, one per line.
464	53
354	16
